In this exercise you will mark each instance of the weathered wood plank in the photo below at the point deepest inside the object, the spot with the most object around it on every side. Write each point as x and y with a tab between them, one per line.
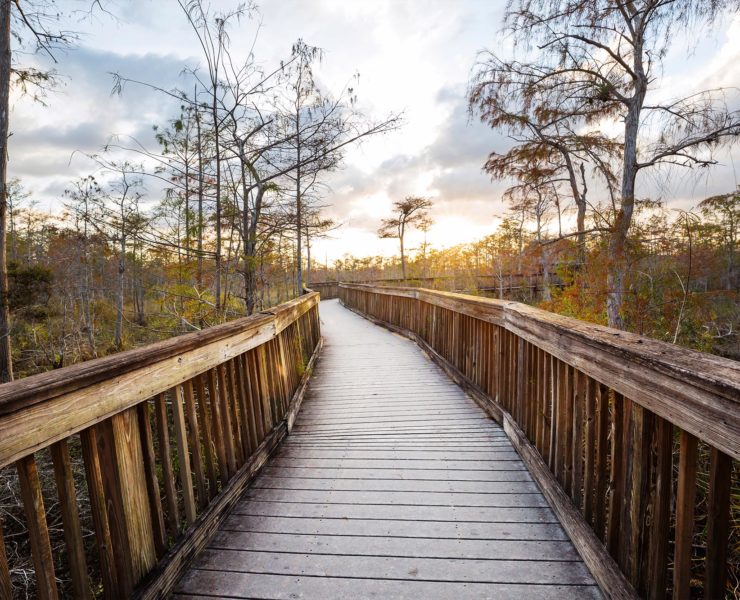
685	497
152	482
38	532
281	587
186	478
718	530
397	568
129	515
372	477
6	590
64	478
660	376
96	492
165	460
194	442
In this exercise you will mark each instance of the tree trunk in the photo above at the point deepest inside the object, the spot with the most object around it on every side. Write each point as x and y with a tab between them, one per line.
217	148
298	210
199	278
118	333
308	256
6	358
617	270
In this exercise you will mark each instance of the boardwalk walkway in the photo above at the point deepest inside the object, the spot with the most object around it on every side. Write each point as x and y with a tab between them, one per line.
393	484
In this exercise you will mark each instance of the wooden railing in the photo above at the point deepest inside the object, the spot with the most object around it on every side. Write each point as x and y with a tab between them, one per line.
634	442
327	289
155	443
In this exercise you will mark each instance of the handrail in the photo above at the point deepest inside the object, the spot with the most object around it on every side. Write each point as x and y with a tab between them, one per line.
595	413
225	395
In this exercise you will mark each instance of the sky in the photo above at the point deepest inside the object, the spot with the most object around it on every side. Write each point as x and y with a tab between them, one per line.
413	56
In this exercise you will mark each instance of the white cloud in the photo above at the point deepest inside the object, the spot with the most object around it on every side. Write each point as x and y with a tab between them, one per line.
412	55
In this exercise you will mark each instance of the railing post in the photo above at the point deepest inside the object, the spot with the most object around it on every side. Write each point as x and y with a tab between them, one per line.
126	496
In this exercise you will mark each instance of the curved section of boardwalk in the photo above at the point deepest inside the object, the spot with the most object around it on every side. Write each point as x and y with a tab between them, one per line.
393	484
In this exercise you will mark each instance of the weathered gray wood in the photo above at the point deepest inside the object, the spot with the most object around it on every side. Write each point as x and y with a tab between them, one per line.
283	587
415	569
481	514
397	528
40	410
399	474
347	545
696	391
528	500
385	485
382	470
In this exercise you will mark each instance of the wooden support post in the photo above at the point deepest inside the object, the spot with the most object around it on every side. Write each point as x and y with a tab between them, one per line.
194	443
38	532
152	483
186	479
129	515
218	429
617	476
602	449
96	491
685	500
208	444
165	459
64	477
718	531
661	522
6	590
226	425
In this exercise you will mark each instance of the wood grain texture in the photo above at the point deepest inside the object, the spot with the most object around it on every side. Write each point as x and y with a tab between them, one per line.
96	491
6	591
695	391
38	531
64	478
377	483
42	409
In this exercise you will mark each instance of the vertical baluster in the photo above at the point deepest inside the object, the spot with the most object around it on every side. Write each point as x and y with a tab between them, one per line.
96	493
718	517
218	427
194	443
205	421
579	392
590	443
568	422
281	364
616	483
124	482
64	477
245	404
521	366
38	532
564	424
165	459
152	483
544	441
661	522
241	443
602	432
265	389
183	455
685	500
538	411
255	399
6	589
231	441
553	461
638	433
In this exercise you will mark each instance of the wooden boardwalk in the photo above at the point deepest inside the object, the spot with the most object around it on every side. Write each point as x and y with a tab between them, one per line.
393	484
